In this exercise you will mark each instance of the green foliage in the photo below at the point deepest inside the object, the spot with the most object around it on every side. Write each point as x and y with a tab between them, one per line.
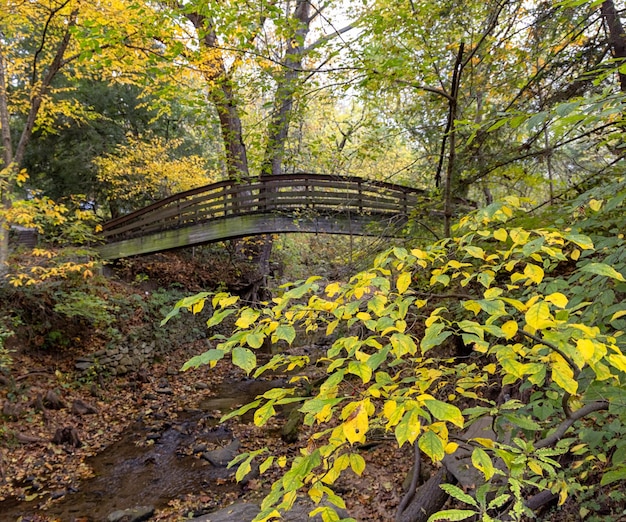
91	308
5	354
497	287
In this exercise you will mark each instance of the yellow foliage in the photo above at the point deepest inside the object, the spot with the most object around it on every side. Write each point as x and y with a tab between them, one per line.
146	169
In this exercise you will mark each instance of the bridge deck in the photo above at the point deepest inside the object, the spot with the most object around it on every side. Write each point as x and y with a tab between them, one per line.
263	205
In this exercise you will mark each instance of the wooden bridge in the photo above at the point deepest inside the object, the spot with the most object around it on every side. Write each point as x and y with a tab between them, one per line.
263	205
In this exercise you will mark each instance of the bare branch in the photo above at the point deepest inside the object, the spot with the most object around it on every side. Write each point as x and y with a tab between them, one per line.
328	37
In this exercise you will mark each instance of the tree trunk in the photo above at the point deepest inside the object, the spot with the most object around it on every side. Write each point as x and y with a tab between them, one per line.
223	98
285	91
617	37
454	98
7	159
11	159
428	499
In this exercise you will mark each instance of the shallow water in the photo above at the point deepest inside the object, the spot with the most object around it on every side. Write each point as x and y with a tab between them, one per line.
130	473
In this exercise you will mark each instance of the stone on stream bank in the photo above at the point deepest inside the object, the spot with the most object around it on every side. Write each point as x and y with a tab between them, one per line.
136	514
122	359
222	456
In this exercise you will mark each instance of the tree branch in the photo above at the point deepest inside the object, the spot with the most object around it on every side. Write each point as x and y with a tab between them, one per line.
555	348
567	423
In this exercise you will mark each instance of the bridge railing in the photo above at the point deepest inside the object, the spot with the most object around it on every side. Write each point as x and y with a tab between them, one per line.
285	193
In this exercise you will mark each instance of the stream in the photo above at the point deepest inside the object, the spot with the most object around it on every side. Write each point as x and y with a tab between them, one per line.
131	473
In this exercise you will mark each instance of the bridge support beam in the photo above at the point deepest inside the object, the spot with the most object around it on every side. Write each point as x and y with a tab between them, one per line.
250	225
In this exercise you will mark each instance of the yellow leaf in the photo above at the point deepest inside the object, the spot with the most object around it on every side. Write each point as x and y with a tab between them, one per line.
404	280
476	252
197	307
490	368
356	425
247	317
538	316
501	234
473	306
510	266
618	314
534	273
586	348
331	327
492	293
575	254
332	289
510	329
451	447
389	408
595	204
618	361
535	467
557	299
487	443
563	376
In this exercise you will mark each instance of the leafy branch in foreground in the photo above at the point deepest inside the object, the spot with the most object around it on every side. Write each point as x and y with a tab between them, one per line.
390	367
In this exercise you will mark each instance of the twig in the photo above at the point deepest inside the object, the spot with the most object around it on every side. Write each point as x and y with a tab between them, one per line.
554	347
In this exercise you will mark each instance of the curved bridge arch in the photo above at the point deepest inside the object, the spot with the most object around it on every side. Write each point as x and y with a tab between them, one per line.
262	205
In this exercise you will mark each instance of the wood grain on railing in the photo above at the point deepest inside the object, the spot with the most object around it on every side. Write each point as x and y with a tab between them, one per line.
280	194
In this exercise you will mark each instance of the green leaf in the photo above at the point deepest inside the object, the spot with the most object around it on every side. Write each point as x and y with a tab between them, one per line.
526	423
300	468
613	476
603	270
264	413
244	358
402	344
459	494
445	412
499	501
241	411
219	316
207	357
451	515
357	463
360	369
482	462
408	429
432	445
265	465
285	332
434	336
243	469
187	303
254	339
